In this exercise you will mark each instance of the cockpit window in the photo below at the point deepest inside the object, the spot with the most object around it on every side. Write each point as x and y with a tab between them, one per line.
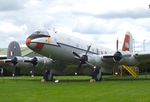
39	34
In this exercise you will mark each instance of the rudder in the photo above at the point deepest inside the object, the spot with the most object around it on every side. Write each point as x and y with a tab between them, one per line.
128	43
13	50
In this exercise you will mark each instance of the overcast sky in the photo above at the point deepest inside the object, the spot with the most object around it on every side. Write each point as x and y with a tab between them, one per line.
101	20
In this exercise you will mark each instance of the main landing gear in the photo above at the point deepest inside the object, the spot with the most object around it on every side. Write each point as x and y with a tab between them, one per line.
48	75
97	74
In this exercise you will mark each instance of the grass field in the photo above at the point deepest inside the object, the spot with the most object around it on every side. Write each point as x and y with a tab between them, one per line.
73	89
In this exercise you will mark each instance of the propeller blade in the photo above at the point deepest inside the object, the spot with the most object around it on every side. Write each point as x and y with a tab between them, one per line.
76	54
117	44
83	59
88	49
14	71
33	71
78	68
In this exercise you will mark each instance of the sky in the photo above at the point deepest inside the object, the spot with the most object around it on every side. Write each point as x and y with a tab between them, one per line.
101	21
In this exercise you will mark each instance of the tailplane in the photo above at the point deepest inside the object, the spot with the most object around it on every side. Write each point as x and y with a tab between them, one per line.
13	50
128	43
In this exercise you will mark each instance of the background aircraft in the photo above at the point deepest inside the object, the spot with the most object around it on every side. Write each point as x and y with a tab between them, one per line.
15	60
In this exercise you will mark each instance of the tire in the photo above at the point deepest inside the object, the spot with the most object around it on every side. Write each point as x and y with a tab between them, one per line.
48	75
97	74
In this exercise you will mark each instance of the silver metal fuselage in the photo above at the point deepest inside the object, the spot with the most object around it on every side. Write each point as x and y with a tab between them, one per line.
60	47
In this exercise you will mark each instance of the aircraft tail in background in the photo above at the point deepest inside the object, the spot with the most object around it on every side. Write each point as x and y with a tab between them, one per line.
128	43
13	50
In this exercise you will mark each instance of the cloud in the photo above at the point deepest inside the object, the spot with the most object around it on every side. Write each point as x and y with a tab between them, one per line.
10	5
91	25
10	32
8	27
100	20
134	13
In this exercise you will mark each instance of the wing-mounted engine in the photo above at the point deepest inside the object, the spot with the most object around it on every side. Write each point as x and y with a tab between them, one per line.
24	61
40	61
28	62
84	59
121	57
92	61
18	61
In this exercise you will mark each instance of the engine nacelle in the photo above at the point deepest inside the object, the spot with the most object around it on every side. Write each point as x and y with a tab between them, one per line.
19	61
119	55
29	62
43	62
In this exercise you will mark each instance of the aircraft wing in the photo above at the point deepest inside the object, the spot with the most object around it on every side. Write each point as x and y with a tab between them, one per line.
128	59
2	59
109	59
142	57
3	56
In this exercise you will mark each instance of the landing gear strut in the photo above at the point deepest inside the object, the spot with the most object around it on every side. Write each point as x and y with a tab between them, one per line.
48	75
97	74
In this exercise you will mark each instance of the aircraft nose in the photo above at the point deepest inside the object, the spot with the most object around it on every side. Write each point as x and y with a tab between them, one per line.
28	41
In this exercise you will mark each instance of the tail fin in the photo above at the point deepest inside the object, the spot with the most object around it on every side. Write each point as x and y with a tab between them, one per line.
128	43
13	50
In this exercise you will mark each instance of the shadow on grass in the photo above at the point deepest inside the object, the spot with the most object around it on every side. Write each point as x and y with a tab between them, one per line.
70	79
74	80
125	79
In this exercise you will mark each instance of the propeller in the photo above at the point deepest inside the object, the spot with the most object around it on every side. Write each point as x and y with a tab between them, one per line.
117	56
34	62
14	61
117	44
83	59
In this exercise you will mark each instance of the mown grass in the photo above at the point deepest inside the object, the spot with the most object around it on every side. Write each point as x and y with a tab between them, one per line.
73	89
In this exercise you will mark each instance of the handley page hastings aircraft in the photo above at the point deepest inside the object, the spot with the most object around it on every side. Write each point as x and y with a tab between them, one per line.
89	59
